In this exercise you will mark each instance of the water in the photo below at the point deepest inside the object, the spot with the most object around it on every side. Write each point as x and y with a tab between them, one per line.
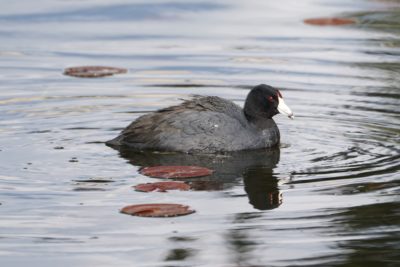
329	196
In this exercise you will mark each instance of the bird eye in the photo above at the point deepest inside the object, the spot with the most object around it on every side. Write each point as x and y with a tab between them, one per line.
270	99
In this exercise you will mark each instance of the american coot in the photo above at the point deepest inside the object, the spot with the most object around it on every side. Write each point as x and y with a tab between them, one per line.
209	124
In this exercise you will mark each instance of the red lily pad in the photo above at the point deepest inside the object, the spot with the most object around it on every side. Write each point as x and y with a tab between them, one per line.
93	71
162	186
157	210
329	21
175	171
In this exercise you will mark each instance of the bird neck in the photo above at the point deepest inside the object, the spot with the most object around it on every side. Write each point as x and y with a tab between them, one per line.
260	120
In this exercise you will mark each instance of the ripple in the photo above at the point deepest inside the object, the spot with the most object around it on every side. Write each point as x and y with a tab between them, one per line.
327	196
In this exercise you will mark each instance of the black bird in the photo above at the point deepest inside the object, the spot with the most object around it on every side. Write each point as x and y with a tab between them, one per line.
209	124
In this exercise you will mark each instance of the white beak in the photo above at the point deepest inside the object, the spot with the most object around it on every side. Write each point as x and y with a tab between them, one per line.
283	109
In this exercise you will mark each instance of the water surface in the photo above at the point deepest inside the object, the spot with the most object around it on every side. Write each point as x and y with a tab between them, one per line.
329	196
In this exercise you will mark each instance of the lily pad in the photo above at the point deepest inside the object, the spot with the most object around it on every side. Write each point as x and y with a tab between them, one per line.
162	186
175	171
157	210
93	71
329	21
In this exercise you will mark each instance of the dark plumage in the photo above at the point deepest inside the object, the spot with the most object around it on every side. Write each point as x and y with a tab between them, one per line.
208	124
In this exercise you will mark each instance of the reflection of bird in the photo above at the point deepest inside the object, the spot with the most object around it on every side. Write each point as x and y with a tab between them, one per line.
262	188
228	168
255	166
209	124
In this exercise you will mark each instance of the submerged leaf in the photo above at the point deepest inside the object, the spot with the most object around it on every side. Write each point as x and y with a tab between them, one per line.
162	186
93	71
175	171
157	210
329	21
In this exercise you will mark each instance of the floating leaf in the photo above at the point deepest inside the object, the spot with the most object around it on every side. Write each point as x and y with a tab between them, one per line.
329	21
175	171
157	210
93	71
162	186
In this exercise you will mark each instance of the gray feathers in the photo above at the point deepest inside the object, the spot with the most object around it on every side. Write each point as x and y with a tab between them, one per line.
201	125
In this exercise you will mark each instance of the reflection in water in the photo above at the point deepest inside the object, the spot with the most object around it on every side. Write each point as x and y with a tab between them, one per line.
261	187
95	184
241	241
242	246
178	254
256	168
355	224
181	250
341	205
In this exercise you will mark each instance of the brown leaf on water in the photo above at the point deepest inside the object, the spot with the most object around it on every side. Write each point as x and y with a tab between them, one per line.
157	210
93	71
175	171
162	186
329	21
